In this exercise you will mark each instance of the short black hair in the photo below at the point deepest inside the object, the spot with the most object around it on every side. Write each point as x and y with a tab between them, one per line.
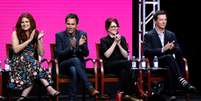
160	12
72	15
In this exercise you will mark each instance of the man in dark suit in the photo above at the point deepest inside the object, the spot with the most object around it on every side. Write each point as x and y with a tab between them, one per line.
71	48
163	43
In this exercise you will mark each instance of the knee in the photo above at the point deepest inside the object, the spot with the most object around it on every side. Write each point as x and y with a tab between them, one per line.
126	65
72	70
169	57
70	62
76	61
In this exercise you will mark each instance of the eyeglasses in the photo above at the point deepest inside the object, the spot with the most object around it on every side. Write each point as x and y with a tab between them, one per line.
114	26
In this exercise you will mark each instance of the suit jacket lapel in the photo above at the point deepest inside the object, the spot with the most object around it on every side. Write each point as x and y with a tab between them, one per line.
166	37
65	39
157	39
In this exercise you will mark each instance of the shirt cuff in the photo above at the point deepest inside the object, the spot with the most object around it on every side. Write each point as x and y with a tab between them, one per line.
162	50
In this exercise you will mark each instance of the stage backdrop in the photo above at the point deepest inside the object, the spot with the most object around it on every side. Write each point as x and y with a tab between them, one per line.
50	16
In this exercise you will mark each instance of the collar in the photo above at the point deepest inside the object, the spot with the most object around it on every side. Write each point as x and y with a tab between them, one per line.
159	33
112	36
70	35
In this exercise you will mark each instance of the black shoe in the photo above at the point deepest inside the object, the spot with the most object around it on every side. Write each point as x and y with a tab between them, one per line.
186	85
168	98
172	98
191	89
2	98
130	98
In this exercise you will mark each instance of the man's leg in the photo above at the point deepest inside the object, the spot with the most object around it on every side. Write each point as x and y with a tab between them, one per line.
79	66
75	62
73	83
174	71
68	67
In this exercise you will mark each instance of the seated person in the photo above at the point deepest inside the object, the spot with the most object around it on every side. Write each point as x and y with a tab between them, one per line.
114	52
162	43
71	48
25	69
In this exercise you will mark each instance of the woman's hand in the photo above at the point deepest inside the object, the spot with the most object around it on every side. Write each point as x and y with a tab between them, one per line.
118	39
41	35
32	35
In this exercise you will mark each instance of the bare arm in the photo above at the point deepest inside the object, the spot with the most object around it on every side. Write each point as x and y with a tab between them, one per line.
40	44
17	47
122	50
110	50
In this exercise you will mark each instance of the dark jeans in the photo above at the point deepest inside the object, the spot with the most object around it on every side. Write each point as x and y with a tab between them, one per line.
169	62
122	69
75	69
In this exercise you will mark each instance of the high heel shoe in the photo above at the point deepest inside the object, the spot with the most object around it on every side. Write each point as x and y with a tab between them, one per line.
22	98
93	92
57	93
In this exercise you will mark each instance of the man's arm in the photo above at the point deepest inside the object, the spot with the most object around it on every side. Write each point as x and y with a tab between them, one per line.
176	48
148	49
83	46
62	52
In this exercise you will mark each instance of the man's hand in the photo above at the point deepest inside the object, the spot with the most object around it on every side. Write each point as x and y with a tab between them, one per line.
73	42
169	46
82	40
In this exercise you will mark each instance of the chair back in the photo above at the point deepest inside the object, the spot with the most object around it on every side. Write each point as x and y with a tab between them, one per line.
53	50
98	50
9	51
55	65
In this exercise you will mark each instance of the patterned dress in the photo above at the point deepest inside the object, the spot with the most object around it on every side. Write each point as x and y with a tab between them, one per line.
25	69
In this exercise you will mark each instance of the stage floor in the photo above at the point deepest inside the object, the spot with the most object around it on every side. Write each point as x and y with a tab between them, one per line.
193	97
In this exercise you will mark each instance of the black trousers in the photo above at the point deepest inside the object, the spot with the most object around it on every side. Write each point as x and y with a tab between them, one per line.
169	62
121	68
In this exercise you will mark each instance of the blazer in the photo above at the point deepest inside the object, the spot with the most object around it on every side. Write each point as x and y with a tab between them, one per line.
64	50
153	46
